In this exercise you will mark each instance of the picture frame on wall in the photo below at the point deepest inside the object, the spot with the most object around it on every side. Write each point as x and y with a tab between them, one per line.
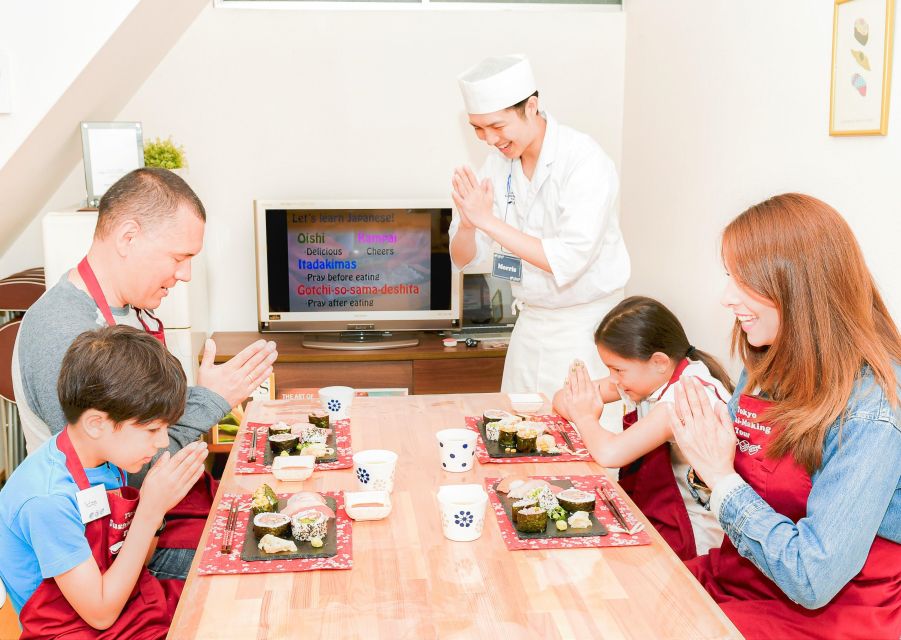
861	67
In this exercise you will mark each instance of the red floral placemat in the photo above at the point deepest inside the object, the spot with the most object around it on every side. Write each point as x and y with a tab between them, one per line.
214	561
615	538
342	444
579	454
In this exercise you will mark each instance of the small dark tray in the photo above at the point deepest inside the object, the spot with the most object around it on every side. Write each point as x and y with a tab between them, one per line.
251	552
495	450
596	528
330	441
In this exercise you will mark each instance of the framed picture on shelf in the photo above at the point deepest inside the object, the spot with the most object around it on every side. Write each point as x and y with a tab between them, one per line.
861	67
111	149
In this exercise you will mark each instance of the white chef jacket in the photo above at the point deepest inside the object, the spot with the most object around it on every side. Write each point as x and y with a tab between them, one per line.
569	204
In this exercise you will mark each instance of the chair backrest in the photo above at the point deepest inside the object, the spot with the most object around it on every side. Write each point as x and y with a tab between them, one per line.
8	333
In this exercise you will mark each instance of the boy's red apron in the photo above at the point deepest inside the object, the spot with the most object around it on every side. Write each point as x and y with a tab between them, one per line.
185	522
651	484
868	607
148	611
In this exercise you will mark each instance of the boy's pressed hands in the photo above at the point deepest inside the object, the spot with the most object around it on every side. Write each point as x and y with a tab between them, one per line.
171	477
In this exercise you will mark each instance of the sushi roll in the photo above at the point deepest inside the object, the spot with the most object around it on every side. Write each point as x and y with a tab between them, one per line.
494	415
492	430
576	500
283	442
279	427
320	419
519	505
264	500
315	435
307	525
274	544
507	435
531	520
545	497
526	439
276	524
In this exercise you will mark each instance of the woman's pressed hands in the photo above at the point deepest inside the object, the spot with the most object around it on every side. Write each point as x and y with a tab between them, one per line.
704	432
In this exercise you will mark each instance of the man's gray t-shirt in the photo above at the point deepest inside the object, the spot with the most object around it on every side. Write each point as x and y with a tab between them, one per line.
50	325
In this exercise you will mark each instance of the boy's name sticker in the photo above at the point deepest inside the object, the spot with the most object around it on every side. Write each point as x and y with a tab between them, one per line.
507	266
92	503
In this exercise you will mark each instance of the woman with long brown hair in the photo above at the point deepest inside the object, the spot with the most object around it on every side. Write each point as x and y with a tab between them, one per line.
806	471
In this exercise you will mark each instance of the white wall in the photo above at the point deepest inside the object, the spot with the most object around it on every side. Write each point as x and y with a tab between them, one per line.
727	104
49	43
352	104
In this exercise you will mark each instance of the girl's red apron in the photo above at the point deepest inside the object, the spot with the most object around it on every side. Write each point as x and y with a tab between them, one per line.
651	484
868	607
151	605
185	521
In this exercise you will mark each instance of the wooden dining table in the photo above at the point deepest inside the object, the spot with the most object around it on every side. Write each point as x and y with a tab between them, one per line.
409	581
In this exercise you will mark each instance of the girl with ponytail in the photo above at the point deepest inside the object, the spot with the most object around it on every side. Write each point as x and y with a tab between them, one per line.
645	348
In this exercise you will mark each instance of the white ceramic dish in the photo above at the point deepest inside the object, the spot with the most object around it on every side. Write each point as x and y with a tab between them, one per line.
293	468
526	402
354	499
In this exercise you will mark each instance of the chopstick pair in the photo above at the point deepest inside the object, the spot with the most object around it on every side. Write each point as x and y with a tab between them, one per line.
252	457
617	514
230	528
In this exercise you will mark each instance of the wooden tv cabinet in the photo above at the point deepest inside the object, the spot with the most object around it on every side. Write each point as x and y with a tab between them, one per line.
427	368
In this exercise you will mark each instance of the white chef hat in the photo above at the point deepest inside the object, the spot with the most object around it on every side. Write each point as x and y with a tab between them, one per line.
497	83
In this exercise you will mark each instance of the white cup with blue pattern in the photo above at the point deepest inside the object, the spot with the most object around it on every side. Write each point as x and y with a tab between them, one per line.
457	448
374	469
462	508
337	401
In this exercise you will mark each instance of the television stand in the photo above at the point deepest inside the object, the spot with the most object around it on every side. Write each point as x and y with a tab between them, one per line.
357	341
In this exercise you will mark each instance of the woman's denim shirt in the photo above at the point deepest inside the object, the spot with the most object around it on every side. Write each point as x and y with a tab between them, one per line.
856	495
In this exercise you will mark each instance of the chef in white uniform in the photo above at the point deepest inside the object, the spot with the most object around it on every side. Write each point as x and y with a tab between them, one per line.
542	211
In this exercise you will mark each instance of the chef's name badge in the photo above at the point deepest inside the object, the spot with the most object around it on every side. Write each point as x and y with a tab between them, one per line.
92	503
507	267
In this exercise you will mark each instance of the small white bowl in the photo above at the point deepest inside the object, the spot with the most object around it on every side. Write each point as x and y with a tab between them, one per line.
355	501
293	468
526	402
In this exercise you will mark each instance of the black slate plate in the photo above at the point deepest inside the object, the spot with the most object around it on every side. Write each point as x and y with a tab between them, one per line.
596	528
495	450
251	552
329	442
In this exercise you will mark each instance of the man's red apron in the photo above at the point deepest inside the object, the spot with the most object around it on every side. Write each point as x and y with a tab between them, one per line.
868	607
651	484
185	522
148	612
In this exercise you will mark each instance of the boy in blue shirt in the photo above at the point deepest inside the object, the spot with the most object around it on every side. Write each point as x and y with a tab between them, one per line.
64	513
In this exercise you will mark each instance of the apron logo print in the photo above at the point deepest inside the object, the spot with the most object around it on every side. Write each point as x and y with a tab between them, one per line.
746	447
116	547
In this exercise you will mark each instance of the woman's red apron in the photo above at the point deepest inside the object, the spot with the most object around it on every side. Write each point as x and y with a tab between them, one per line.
651	484
148	612
868	607
185	521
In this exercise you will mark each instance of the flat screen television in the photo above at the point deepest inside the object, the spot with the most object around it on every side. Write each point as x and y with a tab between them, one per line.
355	272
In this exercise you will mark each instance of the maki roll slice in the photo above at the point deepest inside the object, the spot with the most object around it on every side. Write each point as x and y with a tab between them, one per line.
274	544
307	525
264	500
531	520
492	430
506	436
320	419
494	415
279	427
526	439
576	500
275	524
283	442
519	505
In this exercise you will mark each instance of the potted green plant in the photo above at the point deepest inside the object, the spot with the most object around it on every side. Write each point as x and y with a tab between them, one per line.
164	154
